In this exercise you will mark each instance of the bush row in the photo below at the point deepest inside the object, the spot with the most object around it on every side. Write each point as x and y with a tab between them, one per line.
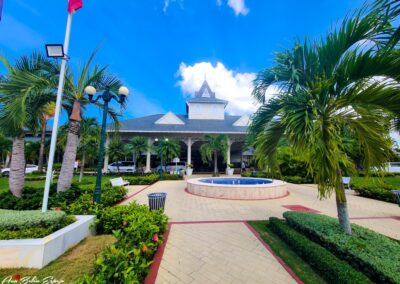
139	232
375	191
376	255
31	223
32	197
331	268
291	179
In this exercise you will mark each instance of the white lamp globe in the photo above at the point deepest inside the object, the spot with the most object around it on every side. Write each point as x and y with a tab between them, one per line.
123	91
90	90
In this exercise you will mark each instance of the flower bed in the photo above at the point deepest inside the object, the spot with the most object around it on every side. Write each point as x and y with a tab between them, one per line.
38	252
331	268
31	223
376	255
139	232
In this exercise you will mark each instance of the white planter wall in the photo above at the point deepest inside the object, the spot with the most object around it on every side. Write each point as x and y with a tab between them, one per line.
37	253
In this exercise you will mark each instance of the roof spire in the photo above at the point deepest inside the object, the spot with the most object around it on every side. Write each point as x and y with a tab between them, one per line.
205	91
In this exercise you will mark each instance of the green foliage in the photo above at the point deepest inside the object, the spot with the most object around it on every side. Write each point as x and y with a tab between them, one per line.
331	268
78	196
170	149
138	145
31	223
325	89
139	232
116	150
376	255
142	180
214	144
291	179
375	191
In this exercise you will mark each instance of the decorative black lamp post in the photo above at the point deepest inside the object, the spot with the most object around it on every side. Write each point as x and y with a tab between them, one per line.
161	156
106	96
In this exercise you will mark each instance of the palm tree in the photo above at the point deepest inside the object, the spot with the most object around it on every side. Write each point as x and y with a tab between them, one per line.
88	143
116	150
169	149
327	86
47	112
32	151
26	88
99	79
5	148
215	144
137	146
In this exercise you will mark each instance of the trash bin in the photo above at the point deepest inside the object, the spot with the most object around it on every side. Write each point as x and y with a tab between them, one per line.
157	200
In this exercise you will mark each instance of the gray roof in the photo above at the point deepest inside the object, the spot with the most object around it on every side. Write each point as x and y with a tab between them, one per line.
206	100
147	124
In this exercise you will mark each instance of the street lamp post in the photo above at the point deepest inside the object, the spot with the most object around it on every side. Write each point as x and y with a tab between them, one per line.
106	96
161	156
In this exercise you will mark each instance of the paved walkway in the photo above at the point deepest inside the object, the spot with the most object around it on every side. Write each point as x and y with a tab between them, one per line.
202	251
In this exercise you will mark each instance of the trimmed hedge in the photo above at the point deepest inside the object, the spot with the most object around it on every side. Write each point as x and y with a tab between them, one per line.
380	192
376	255
139	232
291	179
150	179
31	223
331	268
32	197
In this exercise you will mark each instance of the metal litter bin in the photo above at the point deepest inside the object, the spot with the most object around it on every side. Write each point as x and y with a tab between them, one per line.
157	200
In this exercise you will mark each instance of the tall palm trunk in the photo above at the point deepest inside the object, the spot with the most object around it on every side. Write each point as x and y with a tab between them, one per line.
82	167
42	144
67	167
215	163
17	169
341	205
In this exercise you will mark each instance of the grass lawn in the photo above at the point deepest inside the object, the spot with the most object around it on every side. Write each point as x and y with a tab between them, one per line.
299	267
71	265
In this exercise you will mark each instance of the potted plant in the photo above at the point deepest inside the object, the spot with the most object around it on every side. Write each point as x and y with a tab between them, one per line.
189	169
230	169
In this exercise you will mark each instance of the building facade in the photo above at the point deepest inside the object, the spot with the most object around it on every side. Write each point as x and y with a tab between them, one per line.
205	114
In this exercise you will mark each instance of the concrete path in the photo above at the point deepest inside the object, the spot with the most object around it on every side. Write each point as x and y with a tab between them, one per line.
210	243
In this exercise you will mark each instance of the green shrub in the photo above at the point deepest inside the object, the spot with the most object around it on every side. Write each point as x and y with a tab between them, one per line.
142	180
376	255
139	232
375	191
31	223
33	197
297	179
172	177
331	268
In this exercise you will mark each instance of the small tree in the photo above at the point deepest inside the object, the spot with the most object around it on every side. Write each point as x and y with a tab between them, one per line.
215	144
116	150
88	142
170	149
137	146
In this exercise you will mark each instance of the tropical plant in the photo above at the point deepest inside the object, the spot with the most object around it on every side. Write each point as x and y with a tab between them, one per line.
32	149
28	86
98	78
47	112
169	149
137	146
5	149
214	145
88	143
116	150
347	80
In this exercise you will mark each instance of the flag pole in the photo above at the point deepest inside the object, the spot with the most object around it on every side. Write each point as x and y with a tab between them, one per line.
57	115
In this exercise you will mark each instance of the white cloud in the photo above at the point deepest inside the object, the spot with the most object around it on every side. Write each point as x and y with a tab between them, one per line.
168	2
239	7
229	85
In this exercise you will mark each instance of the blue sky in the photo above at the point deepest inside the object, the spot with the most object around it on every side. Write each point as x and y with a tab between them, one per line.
162	50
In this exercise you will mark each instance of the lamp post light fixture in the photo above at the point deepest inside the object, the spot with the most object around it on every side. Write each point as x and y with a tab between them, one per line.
162	140
106	96
55	50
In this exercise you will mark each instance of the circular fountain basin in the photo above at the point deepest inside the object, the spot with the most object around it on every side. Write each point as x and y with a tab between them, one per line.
237	188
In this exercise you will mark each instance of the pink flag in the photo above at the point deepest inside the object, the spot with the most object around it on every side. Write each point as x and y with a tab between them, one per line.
73	5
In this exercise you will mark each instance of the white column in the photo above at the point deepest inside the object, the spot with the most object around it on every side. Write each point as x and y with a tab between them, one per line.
148	156
228	153
189	150
105	165
8	158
